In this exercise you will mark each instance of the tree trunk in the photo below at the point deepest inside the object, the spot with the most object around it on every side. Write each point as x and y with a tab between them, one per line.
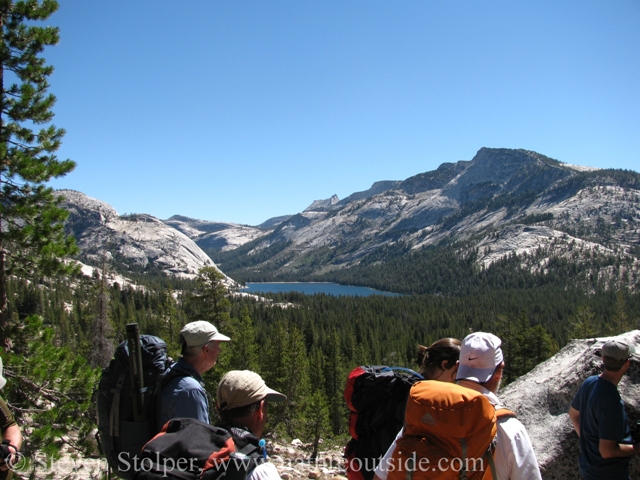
4	314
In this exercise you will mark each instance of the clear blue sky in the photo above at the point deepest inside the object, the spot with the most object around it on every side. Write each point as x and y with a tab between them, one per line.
244	110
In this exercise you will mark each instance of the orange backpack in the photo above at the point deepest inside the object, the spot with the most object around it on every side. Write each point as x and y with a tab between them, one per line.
448	434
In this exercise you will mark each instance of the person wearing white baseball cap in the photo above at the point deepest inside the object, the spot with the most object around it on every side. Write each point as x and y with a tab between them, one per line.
480	369
183	393
242	400
599	418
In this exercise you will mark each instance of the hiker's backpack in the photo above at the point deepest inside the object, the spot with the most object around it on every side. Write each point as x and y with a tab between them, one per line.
376	397
188	449
121	437
449	433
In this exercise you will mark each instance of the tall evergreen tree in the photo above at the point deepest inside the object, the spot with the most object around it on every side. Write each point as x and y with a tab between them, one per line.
32	239
210	298
101	336
335	375
243	349
314	423
620	322
583	324
168	312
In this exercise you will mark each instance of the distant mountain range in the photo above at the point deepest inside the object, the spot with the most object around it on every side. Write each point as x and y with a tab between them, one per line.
500	204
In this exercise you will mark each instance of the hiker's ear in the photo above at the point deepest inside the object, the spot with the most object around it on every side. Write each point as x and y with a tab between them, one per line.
262	411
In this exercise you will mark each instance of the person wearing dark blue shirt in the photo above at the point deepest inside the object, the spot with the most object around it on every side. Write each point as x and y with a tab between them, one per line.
599	418
184	395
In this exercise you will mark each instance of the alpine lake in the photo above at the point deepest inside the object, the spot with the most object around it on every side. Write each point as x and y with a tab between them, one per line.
312	288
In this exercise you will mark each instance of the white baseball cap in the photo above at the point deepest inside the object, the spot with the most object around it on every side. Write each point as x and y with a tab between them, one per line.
480	354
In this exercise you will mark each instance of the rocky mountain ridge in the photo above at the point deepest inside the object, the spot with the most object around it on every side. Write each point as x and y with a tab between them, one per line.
501	204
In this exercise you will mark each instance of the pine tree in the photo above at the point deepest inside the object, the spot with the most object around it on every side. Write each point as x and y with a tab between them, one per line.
32	239
243	349
51	388
583	323
335	376
505	327
210	298
286	369
315	423
620	322
168	312
101	337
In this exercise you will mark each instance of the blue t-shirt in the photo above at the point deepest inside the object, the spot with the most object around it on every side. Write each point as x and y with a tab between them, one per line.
602	416
183	396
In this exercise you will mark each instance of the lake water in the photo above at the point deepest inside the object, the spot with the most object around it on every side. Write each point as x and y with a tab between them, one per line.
309	288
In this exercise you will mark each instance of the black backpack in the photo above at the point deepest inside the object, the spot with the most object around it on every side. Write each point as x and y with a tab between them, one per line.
120	436
188	449
376	397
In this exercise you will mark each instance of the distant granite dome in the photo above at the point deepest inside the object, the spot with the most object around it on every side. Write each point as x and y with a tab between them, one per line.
140	241
217	236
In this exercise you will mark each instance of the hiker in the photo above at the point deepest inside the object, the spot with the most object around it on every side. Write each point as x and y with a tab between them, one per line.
11	435
184	395
437	362
599	418
242	403
480	369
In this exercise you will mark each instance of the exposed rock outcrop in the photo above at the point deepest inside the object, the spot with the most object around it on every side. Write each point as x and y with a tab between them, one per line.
501	203
137	241
218	236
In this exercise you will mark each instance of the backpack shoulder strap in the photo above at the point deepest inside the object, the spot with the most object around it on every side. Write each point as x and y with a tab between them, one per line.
503	412
114	415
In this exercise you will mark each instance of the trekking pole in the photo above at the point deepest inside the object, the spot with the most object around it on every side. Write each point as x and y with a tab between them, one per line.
135	367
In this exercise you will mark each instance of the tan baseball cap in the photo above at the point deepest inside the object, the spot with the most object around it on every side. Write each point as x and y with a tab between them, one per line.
199	333
239	388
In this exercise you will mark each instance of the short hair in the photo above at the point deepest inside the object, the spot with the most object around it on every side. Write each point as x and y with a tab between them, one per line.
193	350
501	365
239	413
430	358
613	364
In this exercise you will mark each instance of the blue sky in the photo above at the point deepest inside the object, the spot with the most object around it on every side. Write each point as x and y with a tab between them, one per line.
244	110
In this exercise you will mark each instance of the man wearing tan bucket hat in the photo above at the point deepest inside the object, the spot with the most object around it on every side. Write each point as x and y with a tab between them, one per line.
242	400
183	393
